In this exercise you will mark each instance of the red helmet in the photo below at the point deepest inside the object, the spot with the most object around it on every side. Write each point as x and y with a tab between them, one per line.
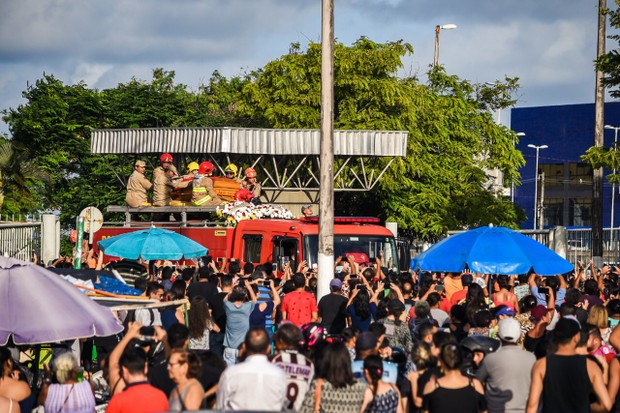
166	157
243	195
250	173
205	168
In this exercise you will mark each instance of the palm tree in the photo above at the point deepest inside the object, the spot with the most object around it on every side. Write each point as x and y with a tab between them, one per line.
15	170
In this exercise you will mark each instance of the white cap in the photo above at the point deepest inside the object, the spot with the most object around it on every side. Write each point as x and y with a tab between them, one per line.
509	330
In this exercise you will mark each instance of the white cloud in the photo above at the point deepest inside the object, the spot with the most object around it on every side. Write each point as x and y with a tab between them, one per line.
549	45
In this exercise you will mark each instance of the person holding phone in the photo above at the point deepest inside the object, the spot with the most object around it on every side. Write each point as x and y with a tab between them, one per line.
333	308
299	306
268	299
238	305
362	305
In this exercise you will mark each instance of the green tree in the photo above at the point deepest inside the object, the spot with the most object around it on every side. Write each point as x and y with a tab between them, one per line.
54	128
53	131
20	180
609	64
442	183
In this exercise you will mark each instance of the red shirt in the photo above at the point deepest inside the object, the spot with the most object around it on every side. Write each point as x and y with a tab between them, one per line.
299	306
138	398
458	296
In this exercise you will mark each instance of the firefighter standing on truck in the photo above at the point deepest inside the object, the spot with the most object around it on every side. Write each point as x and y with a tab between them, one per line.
203	193
137	186
161	180
250	183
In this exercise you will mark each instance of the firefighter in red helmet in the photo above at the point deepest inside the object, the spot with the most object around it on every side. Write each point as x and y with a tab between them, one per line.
162	181
251	183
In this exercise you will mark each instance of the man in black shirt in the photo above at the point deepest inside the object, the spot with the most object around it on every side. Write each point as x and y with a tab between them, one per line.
567	378
333	309
203	287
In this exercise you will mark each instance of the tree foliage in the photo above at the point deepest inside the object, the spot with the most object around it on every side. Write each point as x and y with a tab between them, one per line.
54	127
609	64
440	185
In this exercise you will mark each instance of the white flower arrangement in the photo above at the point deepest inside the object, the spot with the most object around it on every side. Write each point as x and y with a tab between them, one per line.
238	211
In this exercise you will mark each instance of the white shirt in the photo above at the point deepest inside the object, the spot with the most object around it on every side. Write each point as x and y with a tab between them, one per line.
255	384
148	316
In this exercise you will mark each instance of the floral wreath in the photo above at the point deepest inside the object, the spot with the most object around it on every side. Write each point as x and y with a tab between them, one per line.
237	211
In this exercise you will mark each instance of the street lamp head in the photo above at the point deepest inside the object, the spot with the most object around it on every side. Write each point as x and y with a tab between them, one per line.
537	147
448	26
521	134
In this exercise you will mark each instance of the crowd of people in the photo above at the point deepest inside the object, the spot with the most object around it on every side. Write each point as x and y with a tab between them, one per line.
166	179
380	341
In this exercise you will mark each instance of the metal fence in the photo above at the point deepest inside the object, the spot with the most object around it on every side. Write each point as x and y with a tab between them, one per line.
20	240
580	245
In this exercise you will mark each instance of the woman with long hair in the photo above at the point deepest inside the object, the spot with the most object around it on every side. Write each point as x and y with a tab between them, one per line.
524	318
379	397
597	316
10	387
336	389
505	296
184	368
453	392
396	331
71	394
200	324
362	307
173	315
475	300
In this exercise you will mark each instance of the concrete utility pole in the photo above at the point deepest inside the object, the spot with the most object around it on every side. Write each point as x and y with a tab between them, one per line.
438	29
326	192
599	122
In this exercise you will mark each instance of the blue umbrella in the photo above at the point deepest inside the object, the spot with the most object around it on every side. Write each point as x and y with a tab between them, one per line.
152	244
491	250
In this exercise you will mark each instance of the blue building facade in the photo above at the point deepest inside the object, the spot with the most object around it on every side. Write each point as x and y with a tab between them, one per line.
565	182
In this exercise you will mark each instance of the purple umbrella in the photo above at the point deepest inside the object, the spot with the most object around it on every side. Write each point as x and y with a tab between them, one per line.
38	306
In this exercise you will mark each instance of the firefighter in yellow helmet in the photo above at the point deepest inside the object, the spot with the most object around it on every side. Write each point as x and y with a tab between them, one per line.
192	168
250	183
203	193
231	172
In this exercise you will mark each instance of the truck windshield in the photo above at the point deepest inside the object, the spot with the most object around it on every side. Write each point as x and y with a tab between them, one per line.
362	248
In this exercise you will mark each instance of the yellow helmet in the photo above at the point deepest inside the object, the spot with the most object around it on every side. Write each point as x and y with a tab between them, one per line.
232	168
192	166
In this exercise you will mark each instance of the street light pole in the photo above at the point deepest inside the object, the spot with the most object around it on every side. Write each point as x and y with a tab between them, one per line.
613	186
538	148
438	28
512	181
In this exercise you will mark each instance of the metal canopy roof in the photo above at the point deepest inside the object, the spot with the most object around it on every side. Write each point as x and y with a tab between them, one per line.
287	142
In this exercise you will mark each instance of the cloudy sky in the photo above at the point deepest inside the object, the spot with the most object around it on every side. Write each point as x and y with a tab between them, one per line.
549	45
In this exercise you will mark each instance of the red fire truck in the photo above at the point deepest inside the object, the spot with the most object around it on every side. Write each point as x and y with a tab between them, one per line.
278	241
